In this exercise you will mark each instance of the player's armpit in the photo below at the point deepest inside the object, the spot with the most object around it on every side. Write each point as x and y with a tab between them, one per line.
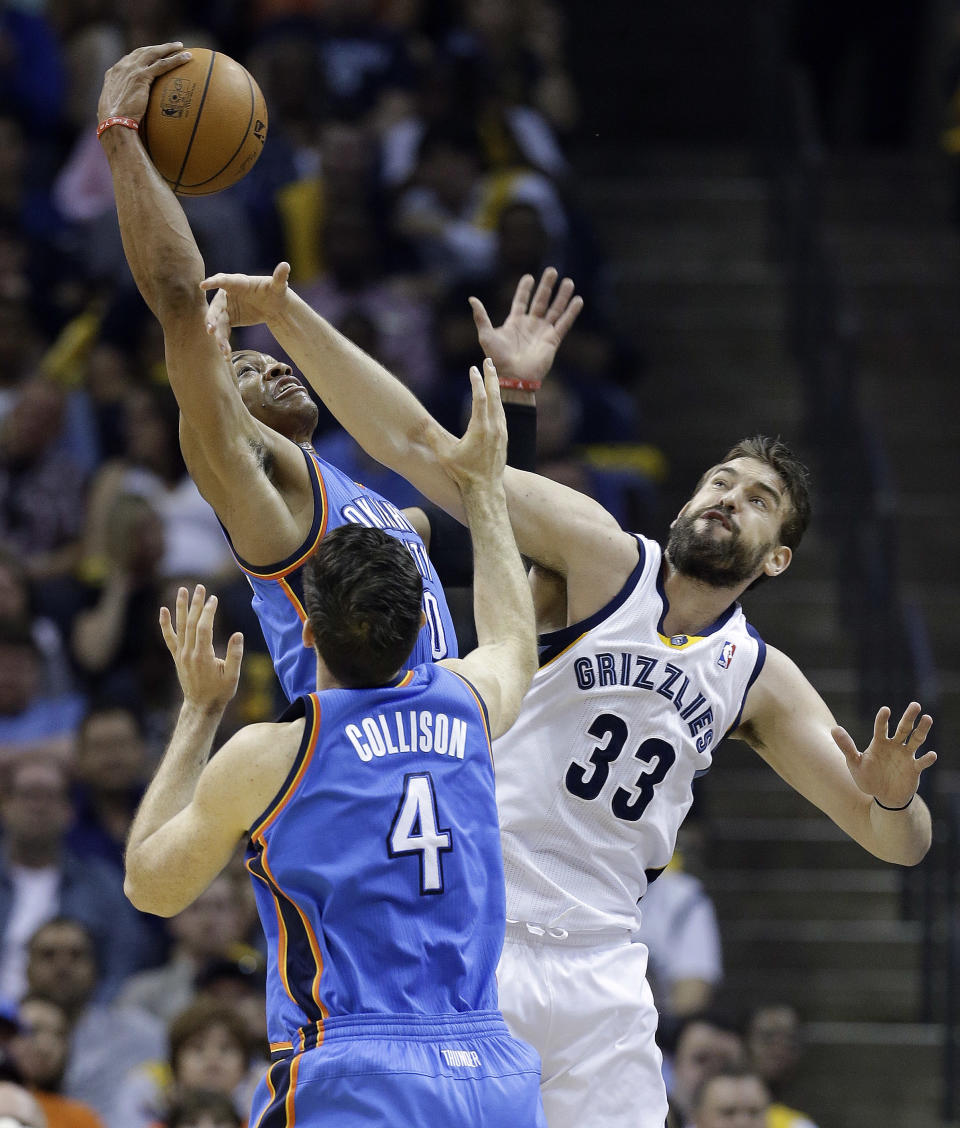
500	673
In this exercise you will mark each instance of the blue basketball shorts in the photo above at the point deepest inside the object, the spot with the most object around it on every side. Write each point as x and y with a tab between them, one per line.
375	1071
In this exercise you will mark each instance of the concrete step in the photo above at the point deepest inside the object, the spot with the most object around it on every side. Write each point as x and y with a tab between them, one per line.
812	945
721	199
801	894
764	844
850	994
871	1074
748	793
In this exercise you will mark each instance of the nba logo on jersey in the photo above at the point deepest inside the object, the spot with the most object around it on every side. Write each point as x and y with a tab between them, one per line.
726	654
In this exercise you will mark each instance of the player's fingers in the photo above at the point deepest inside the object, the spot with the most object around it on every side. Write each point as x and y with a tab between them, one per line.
920	733
880	723
844	741
181	608
205	623
281	273
521	296
907	721
166	629
541	297
569	316
161	66
220	281
233	659
560	300
154	51
928	759
480	318
193	617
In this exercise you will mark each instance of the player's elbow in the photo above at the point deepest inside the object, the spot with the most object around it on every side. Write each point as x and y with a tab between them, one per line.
518	674
145	894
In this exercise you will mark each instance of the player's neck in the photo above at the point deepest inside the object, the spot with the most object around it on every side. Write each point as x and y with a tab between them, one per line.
692	604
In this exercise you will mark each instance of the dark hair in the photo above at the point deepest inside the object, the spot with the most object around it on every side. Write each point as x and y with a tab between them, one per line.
195	1103
717	1017
791	471
734	1072
362	592
203	1015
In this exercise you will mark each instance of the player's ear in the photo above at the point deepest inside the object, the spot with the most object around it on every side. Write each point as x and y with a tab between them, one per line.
680	514
307	635
778	561
423	619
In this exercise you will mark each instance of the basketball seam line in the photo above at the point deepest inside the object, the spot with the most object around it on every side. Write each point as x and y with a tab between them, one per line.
243	140
196	123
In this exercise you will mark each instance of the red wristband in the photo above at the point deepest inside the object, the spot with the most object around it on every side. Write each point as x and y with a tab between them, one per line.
130	123
520	385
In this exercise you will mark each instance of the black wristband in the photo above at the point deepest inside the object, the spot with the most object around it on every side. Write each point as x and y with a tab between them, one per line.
884	807
521	435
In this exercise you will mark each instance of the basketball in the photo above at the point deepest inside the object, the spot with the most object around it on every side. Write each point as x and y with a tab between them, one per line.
205	124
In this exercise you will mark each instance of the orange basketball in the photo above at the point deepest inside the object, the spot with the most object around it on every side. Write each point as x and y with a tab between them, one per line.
205	124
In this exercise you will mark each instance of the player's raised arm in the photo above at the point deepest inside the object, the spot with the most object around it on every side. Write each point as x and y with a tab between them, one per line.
224	446
196	809
505	660
871	795
554	525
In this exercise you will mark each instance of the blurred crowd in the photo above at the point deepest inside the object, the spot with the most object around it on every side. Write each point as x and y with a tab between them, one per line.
417	154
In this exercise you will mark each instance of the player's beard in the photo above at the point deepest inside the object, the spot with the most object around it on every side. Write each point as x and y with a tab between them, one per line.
717	561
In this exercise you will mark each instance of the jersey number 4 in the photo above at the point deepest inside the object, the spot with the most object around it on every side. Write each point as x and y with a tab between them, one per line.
415	830
587	783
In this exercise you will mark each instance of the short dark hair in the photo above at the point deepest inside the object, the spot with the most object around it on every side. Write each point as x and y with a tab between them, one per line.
726	1072
195	1103
202	1015
791	471
363	594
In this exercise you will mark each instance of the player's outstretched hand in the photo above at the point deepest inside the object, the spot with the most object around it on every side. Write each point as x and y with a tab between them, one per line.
889	768
206	680
478	459
524	346
126	85
244	299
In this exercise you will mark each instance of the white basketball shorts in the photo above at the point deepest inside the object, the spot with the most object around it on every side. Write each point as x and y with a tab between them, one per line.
588	1009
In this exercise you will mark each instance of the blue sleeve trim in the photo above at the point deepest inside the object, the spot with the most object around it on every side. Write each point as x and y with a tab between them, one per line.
267	571
757	667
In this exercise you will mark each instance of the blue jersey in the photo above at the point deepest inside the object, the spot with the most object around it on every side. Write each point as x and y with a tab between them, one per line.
278	588
377	867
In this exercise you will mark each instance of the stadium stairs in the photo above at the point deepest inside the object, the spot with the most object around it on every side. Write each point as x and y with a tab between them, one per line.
806	915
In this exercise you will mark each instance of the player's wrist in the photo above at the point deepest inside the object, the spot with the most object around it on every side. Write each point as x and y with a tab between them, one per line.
894	806
110	121
519	384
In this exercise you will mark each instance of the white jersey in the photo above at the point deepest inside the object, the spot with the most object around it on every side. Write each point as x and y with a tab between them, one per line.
595	777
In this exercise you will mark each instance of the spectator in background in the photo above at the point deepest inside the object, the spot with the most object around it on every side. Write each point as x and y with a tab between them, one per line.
356	284
703	1044
41	491
513	134
111	766
731	1098
18	1108
151	467
209	1051
106	1040
200	1109
18	605
210	928
773	1043
41	879
114	637
31	719
449	212
40	1051
678	924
